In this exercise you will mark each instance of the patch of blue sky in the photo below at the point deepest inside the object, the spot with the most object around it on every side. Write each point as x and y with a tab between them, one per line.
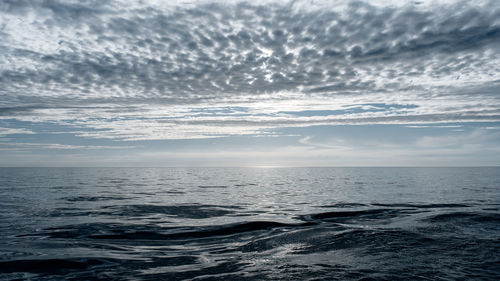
456	125
45	127
236	111
353	109
385	106
227	109
52	133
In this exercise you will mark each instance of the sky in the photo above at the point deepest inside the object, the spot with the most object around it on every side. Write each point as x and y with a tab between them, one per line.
249	83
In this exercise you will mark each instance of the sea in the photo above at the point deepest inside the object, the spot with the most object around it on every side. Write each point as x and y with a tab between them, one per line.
250	223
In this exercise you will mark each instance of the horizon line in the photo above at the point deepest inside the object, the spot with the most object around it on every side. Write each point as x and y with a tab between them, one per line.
257	166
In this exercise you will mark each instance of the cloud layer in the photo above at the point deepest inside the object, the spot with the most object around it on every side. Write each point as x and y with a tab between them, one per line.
148	70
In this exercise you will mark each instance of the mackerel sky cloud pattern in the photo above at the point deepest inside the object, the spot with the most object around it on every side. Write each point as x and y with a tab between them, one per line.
149	70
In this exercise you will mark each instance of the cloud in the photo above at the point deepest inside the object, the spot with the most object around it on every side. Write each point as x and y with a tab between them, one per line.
13	131
29	146
140	70
476	138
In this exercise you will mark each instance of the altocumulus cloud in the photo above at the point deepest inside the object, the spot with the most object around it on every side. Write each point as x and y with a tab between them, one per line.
150	70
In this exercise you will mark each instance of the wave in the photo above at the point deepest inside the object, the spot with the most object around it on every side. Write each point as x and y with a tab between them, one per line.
52	266
322	243
422	206
152	232
191	211
482	217
95	198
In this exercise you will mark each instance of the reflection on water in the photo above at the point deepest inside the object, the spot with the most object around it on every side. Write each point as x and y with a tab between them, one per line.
249	223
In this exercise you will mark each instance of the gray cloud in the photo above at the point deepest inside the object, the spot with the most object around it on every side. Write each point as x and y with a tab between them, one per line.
79	55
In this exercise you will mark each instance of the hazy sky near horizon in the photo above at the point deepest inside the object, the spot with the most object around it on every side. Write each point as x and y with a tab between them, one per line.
249	83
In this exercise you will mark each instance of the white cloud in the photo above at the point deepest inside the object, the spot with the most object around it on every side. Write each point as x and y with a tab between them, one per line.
146	70
13	131
27	146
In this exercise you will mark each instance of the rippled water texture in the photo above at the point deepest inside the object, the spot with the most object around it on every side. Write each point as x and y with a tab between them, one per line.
249	224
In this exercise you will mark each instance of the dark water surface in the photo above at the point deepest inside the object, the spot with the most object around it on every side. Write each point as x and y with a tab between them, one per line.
250	224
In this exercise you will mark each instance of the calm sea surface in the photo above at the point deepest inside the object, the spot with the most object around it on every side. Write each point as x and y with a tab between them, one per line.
249	223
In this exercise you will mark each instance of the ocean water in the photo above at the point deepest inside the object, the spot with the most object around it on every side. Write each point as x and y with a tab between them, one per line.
250	223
